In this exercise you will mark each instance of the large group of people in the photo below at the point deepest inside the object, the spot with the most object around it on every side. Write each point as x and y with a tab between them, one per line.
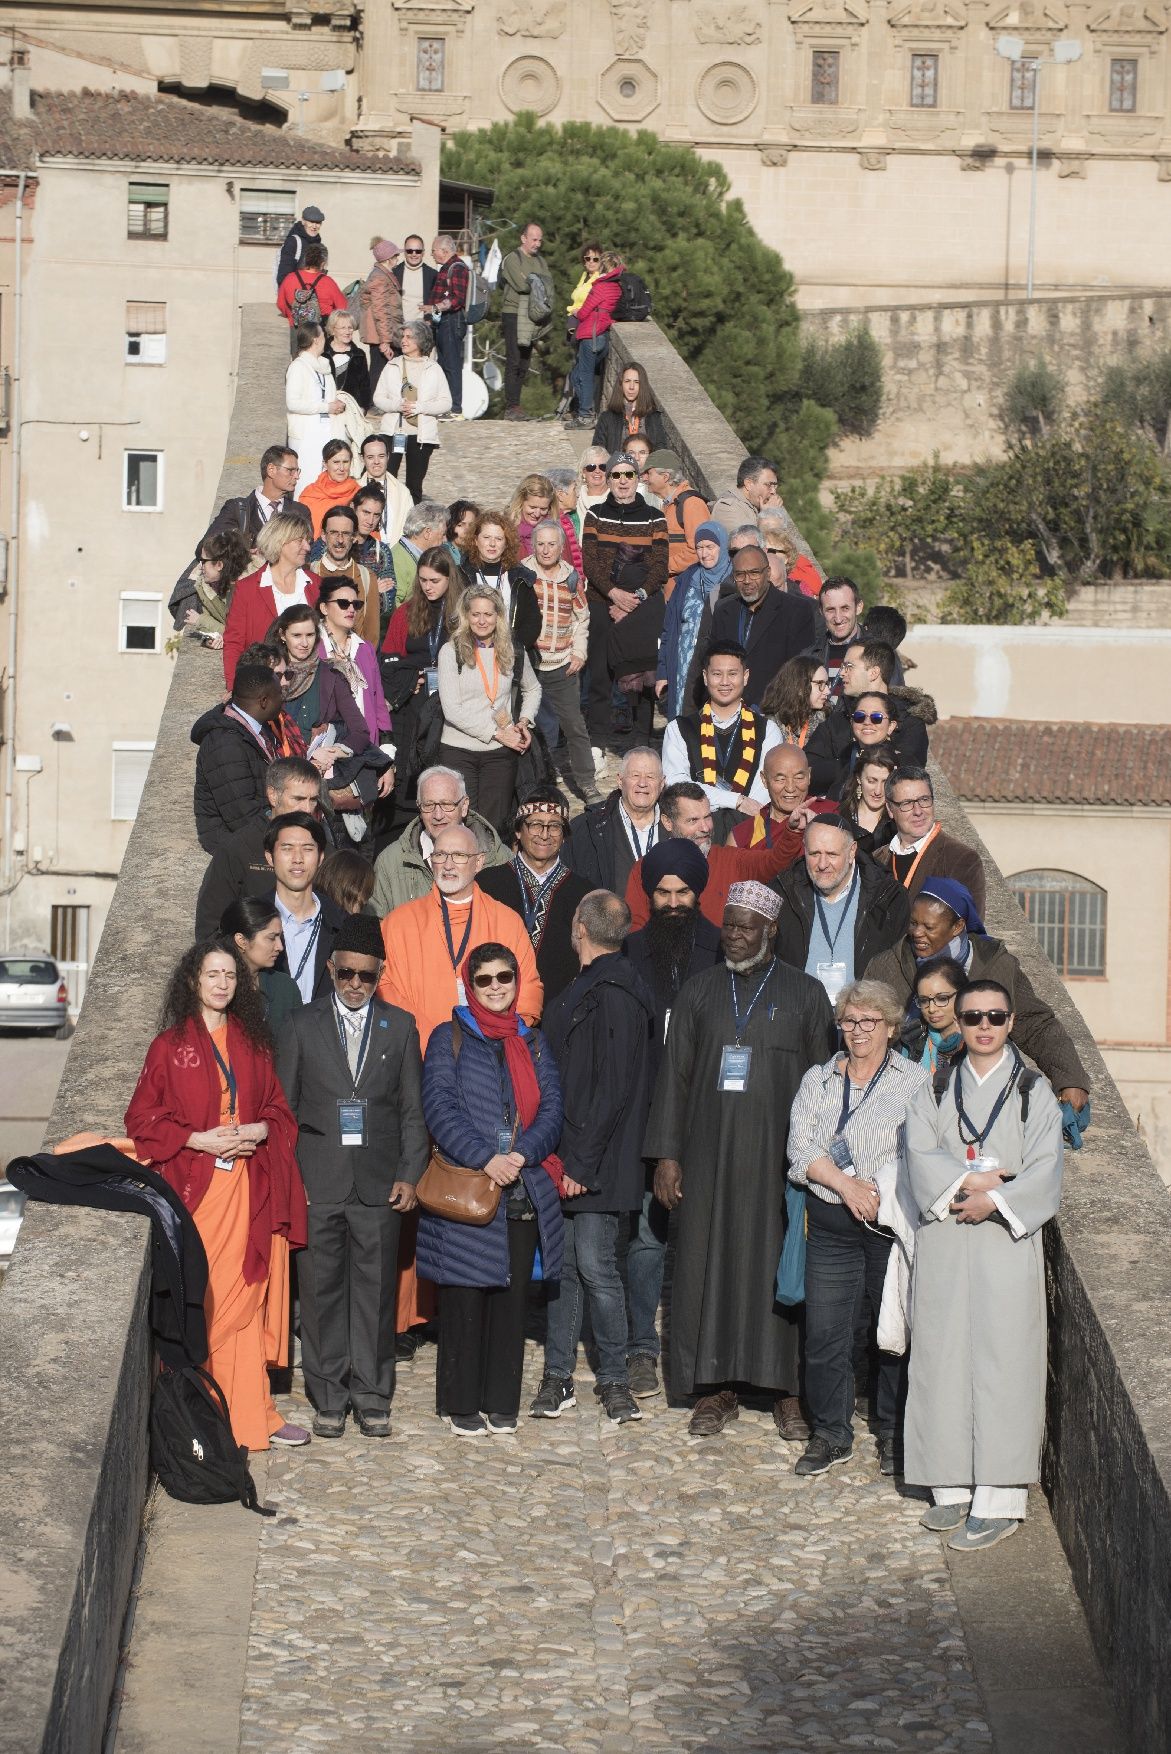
447	1032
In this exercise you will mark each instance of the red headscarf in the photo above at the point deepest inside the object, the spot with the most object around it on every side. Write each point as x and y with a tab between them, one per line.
505	1026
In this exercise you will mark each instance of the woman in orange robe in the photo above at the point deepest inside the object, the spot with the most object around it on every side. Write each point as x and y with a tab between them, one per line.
210	1116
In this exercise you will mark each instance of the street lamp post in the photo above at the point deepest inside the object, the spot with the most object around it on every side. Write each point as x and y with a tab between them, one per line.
1013	49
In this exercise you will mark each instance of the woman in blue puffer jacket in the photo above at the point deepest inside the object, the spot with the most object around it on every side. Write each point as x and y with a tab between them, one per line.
492	1101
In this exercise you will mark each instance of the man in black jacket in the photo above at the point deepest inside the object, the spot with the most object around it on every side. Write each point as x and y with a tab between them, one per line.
840	911
607	840
236	745
299	236
600	1032
351	1069
676	943
538	885
240	867
771	625
279	473
294	846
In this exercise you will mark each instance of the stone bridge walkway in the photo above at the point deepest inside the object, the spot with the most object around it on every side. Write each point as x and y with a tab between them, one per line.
585	1587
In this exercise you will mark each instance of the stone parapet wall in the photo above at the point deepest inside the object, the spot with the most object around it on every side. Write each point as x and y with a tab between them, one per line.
1131	603
945	366
75	1350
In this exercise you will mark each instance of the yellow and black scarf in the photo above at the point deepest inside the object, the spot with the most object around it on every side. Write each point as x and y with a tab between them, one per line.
744	739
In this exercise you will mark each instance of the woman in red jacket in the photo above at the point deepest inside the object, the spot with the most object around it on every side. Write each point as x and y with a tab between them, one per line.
258	598
209	1115
310	280
592	336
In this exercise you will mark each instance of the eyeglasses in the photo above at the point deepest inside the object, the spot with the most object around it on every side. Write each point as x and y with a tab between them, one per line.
864	1025
439	807
996	1018
346	976
924	803
553	826
622	474
783	551
869	718
824	683
591	256
755	572
453	858
493	978
345	602
935	1001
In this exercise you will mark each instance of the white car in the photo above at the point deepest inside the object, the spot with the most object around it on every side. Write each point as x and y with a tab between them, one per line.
11	1213
32	994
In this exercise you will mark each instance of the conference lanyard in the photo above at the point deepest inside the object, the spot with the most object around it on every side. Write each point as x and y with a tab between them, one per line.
842	917
225	1067
975	1144
740	1027
433	639
906	881
490	689
308	950
457	956
530	902
846	1109
640	852
364	1044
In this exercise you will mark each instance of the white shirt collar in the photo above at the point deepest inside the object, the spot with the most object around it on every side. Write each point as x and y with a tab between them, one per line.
290	921
992	1071
354	1020
901	848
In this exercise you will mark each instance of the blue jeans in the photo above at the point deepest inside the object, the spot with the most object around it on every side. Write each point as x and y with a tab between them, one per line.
843	1258
646	1255
590	357
590	1265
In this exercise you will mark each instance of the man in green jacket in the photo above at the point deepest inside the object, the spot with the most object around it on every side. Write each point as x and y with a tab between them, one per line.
523	319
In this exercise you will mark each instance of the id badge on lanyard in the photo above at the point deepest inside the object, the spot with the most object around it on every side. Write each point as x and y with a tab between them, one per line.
351	1120
833	977
735	1063
399	443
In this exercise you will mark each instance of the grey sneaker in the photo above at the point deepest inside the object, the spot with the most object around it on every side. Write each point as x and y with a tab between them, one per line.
820	1456
500	1426
552	1398
979	1532
618	1403
473	1427
329	1424
942	1518
642	1374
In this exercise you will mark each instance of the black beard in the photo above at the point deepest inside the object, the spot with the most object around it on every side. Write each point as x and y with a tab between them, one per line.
671	938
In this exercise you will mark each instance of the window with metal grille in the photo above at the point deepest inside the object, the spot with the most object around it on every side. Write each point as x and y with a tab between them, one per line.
430	63
147	208
142	481
69	933
826	80
1068	914
1022	85
266	215
924	82
138	621
146	333
131	764
1124	86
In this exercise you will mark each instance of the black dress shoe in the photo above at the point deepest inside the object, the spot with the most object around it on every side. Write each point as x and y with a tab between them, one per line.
374	1424
886	1453
405	1346
329	1424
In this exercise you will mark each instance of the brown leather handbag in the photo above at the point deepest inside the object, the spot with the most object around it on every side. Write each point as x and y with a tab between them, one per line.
466	1196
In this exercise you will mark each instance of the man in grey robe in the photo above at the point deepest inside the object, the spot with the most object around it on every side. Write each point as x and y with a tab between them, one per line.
740	1038
984	1169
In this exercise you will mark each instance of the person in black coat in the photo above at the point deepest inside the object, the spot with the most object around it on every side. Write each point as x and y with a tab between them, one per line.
279	471
294	847
865	722
600	1034
840	909
608	839
631	409
675	944
240	867
236	745
351	1069
348	360
302	233
771	625
539	886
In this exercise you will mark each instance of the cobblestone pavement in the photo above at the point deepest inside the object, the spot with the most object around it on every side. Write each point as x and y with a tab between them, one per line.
583	1586
485	459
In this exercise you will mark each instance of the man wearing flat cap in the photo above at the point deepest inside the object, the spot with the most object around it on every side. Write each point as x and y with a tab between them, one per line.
683	508
299	236
676	943
741	1038
350	1066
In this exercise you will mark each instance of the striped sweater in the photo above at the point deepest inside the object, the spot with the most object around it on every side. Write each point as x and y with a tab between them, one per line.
624	546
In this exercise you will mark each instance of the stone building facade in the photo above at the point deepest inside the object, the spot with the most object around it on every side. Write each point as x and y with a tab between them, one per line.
881	145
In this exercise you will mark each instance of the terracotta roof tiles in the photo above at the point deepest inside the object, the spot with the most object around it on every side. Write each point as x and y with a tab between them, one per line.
1026	761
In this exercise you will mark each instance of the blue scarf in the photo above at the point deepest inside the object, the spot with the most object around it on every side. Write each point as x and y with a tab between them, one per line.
699	587
937	1043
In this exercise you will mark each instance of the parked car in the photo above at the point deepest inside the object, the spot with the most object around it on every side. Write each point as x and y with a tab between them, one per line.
33	995
11	1213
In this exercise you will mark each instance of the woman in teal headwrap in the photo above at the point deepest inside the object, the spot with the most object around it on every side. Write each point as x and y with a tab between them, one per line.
685	612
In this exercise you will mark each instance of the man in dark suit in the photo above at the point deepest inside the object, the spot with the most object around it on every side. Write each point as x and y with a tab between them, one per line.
538	885
771	625
351	1069
294	846
249	513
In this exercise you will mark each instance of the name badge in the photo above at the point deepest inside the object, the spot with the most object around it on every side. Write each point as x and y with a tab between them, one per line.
833	977
839	1153
225	1163
734	1066
399	442
351	1120
503	1141
461	997
432	676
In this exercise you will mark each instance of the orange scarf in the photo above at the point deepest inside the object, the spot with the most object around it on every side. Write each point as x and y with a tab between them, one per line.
322	495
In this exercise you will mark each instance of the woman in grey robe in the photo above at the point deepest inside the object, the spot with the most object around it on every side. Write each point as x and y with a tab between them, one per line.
985	1174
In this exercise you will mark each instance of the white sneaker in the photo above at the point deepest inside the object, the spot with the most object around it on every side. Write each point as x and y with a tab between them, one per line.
599	756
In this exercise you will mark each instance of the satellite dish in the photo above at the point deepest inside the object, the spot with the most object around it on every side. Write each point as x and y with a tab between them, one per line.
476	392
493	376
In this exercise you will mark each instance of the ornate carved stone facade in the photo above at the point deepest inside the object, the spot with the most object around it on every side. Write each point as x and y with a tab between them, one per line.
796	98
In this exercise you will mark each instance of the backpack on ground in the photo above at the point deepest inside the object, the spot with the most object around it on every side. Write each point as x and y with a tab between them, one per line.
192	1449
634	298
306	304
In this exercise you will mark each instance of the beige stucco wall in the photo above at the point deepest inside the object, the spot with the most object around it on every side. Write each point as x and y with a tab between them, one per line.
1109	675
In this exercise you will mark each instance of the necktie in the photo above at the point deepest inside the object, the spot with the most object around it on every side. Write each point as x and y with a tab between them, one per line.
353	1041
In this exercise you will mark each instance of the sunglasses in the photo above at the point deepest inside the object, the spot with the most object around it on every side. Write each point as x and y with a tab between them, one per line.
346	975
493	980
996	1018
869	718
412	252
346	602
593	468
622	474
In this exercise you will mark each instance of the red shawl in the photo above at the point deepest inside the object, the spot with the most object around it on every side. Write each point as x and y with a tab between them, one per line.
505	1026
178	1093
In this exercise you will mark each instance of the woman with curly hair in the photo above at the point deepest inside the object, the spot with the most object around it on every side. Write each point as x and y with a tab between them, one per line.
796	698
209	1115
485	728
491	553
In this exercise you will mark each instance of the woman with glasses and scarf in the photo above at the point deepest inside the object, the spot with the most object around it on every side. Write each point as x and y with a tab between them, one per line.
845	1125
492	1102
931	1034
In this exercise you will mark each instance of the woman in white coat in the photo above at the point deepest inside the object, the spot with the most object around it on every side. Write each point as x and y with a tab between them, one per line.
413	393
313	407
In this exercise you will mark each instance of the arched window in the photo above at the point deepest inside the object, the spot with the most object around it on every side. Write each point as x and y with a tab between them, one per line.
1068	914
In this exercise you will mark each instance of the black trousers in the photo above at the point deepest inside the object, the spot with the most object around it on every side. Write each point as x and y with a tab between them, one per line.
482	1337
347	1278
843	1258
598	706
449	345
378	360
489	775
418	460
516	361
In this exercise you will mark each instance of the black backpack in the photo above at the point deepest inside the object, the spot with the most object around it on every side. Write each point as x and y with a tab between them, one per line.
634	299
192	1449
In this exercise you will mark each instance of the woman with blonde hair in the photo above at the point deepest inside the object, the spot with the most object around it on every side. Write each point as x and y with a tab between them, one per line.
532	501
490	551
259	597
489	695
